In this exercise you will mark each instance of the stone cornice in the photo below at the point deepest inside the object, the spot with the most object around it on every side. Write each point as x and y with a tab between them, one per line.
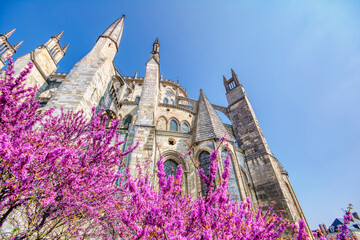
177	107
172	134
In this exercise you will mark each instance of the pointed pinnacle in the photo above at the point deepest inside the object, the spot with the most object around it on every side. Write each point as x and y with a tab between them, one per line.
8	34
58	36
232	72
135	76
225	80
16	46
156	40
66	48
114	32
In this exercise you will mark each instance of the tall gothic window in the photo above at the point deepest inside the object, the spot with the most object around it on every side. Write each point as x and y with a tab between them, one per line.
184	127
170	167
204	159
166	101
173	125
233	184
127	121
171	102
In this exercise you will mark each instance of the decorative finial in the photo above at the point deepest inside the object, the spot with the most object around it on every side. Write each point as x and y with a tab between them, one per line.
232	72
58	36
156	46
177	80
66	48
114	32
8	34
16	46
225	80
161	76
135	76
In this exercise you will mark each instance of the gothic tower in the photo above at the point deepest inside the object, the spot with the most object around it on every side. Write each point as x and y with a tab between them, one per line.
271	182
6	49
87	81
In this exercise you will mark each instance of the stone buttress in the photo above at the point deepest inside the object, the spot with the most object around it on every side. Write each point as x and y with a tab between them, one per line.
143	130
87	81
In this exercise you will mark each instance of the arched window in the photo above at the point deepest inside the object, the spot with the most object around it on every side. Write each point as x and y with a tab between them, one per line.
168	94
204	159
170	167
166	101
127	121
171	101
233	189
184	127
137	99
173	125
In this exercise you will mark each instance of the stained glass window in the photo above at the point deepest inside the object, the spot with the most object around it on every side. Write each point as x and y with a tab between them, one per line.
173	125
166	101
171	101
170	167
204	159
184	127
233	184
137	99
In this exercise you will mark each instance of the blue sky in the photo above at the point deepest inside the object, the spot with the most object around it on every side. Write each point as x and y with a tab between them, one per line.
299	62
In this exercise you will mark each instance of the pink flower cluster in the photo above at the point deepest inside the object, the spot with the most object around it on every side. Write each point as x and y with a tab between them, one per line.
58	174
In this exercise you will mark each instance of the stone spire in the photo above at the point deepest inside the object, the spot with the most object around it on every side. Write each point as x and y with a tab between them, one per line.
136	73
114	32
156	46
207	124
88	80
16	46
233	72
9	33
6	49
155	51
66	48
58	36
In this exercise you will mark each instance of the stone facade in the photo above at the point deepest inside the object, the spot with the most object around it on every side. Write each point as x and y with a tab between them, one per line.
157	113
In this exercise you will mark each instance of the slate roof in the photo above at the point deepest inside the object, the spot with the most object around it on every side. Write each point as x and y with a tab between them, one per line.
207	124
353	226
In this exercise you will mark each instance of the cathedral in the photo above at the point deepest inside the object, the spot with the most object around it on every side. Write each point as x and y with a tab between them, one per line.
158	113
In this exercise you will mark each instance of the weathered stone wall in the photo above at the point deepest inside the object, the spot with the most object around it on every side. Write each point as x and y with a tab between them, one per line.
43	67
86	83
267	175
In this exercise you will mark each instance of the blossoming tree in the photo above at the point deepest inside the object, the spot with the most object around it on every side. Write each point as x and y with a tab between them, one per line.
58	175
